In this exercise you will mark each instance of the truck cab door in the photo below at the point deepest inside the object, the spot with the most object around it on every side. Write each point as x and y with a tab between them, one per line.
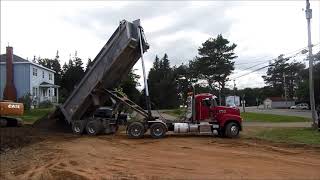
208	112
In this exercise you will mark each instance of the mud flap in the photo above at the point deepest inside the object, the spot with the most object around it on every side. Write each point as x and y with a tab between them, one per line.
110	126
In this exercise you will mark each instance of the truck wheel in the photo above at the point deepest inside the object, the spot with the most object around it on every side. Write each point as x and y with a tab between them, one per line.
232	130
19	122
93	127
3	122
221	133
158	130
135	130
77	127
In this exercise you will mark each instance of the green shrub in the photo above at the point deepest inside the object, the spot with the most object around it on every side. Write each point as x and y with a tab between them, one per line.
26	100
45	104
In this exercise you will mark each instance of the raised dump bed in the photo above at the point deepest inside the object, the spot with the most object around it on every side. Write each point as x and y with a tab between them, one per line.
111	65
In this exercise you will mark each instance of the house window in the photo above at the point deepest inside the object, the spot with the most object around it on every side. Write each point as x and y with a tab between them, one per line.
42	74
35	71
34	91
50	76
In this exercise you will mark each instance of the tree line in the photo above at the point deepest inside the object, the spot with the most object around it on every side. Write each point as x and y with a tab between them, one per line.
70	73
208	72
286	77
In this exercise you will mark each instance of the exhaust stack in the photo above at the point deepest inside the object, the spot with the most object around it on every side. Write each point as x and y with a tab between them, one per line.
10	92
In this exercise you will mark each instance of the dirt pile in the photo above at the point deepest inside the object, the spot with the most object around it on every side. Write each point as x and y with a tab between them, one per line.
51	123
18	137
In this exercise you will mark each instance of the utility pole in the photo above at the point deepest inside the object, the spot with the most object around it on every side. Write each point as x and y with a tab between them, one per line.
310	57
234	92
285	87
243	103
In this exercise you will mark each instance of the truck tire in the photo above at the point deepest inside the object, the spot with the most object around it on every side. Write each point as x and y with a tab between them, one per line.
3	122
221	133
232	130
135	130
93	127
19	122
158	130
78	127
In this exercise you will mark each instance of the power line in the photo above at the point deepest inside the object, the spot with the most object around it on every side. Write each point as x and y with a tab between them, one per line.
288	58
251	72
255	60
249	62
253	66
266	61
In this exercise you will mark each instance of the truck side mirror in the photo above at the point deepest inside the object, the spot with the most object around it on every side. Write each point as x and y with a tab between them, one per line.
207	102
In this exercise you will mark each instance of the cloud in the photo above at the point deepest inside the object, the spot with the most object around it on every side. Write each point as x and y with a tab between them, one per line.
176	28
262	30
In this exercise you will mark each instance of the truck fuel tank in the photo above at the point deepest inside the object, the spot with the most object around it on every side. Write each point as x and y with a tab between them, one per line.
181	127
194	127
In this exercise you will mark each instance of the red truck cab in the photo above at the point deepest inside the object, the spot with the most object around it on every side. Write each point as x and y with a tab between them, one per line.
207	110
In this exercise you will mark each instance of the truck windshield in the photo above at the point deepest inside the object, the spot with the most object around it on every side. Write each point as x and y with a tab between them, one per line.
189	107
209	102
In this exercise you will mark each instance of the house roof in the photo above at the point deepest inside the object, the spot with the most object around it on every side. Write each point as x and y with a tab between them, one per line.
278	99
15	58
46	84
18	60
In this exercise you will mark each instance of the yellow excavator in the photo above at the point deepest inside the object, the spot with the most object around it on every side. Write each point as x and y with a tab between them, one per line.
9	114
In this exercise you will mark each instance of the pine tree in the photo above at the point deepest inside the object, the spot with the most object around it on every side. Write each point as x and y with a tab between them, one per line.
162	84
129	86
72	74
89	64
156	63
215	62
279	69
65	67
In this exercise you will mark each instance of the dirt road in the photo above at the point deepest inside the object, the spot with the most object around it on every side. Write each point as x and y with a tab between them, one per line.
64	156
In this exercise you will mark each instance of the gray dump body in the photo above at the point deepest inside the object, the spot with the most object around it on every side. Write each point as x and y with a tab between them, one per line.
112	64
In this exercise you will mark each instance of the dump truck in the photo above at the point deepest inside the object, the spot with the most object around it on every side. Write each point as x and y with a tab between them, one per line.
9	114
117	57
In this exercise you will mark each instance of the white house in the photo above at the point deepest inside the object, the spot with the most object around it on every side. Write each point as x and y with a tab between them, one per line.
277	102
267	103
29	78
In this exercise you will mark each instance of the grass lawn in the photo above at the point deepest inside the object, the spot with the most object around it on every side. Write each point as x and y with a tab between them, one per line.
260	117
32	115
288	135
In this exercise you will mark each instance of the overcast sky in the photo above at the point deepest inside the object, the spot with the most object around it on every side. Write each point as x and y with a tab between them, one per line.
262	30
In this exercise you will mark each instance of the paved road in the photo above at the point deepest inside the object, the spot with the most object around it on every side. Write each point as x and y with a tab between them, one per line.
287	112
248	124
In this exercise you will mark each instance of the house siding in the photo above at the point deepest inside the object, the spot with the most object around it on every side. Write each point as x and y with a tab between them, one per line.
37	80
21	79
282	104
